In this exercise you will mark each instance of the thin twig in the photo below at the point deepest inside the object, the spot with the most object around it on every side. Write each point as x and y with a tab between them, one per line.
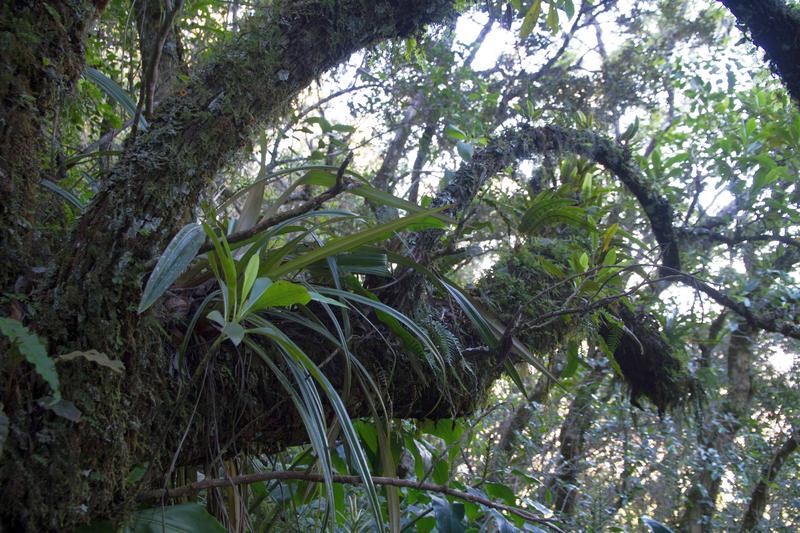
339	187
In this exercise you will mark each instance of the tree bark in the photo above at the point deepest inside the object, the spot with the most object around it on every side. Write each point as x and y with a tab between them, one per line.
386	178
519	419
423	151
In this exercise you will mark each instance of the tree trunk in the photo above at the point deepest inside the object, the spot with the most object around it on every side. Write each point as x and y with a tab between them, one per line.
519	419
423	151
773	26
717	434
42	57
760	495
386	177
563	484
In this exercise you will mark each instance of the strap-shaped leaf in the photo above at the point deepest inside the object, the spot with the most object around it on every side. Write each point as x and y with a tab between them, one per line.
350	242
63	193
656	526
282	293
112	89
100	358
181	250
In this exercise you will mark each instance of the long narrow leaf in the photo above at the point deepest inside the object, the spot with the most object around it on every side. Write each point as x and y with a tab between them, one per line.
350	242
412	326
313	422
112	89
63	193
359	459
181	250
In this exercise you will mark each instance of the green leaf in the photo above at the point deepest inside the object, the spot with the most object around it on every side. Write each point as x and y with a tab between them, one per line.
610	259
569	8
368	434
335	401
546	210
552	18
281	294
572	360
137	473
30	346
326	177
112	89
394	314
250	275
350	242
629	133
609	234
184	518
222	257
441	472
454	132
498	491
62	408
530	20
100	358
447	429
324	125
260	285
503	525
584	261
586	187
464	150
304	397
179	253
656	526
475	315
234	332
65	194
449	516
343	128
512	372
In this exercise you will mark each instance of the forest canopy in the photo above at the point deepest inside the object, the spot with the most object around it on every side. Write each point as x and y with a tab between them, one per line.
399	265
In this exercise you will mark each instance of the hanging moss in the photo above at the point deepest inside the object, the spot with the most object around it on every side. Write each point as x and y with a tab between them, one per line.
648	363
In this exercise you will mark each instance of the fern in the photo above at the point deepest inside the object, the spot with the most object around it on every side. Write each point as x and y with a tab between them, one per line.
448	344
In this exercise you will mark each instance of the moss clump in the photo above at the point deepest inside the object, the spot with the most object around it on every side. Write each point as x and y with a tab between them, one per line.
529	283
648	363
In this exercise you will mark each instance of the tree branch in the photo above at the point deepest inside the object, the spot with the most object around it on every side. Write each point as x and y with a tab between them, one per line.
197	131
294	475
774	26
767	319
525	141
736	238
